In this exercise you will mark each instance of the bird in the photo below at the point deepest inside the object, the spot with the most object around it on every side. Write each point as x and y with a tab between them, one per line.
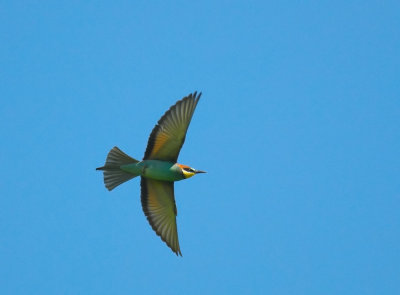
158	169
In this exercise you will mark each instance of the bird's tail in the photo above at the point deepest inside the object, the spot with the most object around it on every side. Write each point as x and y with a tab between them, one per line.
113	175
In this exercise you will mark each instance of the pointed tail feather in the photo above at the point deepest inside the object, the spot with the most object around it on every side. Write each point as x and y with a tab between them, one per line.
113	175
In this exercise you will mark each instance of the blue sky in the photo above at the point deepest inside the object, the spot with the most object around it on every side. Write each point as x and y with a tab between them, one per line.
298	128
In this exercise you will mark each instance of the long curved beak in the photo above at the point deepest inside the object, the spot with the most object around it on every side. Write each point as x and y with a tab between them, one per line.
200	171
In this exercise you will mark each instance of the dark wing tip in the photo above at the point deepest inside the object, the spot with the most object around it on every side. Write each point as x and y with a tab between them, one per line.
194	95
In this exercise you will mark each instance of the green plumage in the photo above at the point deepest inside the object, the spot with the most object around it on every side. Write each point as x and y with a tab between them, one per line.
158	169
155	169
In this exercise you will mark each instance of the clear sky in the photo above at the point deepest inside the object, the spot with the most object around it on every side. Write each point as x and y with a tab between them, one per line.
298	128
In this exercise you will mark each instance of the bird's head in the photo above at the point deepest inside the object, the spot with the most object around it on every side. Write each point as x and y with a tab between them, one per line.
188	171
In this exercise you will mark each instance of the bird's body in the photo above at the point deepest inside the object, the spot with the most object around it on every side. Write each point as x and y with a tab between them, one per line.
158	169
155	169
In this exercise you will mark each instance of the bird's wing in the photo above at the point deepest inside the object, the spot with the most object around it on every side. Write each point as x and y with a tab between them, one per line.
169	134
158	204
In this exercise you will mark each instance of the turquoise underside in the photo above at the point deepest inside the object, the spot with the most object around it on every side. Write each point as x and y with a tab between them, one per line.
155	169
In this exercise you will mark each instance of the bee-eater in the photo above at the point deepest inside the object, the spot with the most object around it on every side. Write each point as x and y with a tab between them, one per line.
158	169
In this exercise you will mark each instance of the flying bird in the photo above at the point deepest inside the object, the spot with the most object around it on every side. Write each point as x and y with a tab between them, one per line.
158	169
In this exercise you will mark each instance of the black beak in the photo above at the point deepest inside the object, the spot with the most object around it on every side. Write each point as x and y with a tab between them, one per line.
200	171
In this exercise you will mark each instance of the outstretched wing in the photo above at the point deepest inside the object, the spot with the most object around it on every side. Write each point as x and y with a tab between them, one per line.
169	134
158	205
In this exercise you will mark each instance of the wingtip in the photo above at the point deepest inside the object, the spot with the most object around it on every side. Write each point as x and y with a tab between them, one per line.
195	95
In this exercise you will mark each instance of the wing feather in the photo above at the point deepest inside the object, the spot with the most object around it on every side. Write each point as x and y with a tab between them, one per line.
158	203
168	136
